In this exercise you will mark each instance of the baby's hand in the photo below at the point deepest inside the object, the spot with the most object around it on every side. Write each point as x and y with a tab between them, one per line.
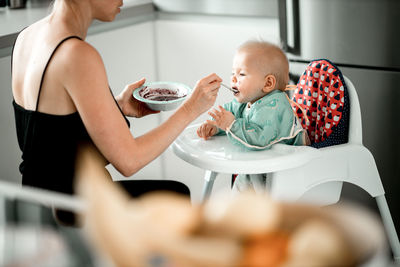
222	118
206	130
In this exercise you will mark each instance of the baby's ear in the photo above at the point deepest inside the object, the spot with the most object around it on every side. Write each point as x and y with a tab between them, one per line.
269	83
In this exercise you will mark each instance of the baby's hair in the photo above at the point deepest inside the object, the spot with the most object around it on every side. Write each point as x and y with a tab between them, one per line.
277	65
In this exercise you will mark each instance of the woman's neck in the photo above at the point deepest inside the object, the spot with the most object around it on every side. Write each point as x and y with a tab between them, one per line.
75	16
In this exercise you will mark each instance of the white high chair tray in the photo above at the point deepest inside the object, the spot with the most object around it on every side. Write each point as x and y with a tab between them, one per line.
218	154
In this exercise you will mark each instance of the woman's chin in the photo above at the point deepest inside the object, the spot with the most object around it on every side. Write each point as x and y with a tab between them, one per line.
108	18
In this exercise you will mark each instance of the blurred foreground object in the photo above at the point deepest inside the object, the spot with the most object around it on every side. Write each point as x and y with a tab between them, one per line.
164	229
32	246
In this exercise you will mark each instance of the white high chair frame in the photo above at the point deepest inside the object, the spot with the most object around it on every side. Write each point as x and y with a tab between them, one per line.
296	170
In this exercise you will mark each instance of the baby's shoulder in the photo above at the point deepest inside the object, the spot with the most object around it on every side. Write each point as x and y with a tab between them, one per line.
276	99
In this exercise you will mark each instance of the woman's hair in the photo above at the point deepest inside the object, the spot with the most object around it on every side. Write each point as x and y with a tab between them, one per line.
271	59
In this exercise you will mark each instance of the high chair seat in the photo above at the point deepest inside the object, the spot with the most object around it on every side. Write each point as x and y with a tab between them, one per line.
297	173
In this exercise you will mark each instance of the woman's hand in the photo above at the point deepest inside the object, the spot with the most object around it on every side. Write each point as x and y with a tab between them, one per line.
204	95
129	105
206	130
222	118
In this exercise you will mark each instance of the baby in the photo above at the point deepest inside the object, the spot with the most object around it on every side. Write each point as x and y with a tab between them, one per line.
260	114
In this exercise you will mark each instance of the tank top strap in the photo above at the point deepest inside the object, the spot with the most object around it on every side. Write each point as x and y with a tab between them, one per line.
47	64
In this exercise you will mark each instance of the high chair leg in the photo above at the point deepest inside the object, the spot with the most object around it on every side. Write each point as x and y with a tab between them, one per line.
389	227
209	179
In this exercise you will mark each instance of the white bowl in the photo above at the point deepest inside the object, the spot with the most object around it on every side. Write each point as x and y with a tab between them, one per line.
177	91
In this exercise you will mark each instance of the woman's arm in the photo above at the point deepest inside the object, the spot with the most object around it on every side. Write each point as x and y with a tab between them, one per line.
84	77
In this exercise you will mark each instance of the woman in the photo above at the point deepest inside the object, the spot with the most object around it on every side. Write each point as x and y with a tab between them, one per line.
62	98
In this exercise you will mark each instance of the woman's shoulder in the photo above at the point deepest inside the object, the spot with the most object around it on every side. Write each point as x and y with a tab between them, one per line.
78	56
70	48
76	49
78	63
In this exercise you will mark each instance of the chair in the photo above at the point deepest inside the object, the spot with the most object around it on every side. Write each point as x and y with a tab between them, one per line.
297	173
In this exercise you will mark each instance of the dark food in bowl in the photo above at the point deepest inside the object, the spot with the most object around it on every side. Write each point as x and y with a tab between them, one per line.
160	94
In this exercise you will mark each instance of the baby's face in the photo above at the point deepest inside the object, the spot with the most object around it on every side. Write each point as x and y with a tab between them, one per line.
247	77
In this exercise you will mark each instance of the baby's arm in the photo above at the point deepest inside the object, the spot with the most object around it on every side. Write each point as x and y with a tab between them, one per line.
206	130
209	128
223	119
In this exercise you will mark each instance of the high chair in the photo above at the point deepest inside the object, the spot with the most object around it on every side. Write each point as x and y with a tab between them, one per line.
297	173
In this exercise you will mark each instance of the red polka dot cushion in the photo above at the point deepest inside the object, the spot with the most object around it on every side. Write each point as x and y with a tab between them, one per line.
322	93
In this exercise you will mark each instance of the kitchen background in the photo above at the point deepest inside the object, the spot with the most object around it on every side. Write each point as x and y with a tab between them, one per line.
184	40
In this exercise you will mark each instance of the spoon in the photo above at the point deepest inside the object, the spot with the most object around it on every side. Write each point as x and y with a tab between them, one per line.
229	88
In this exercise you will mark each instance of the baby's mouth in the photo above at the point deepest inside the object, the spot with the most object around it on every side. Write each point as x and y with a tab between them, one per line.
236	90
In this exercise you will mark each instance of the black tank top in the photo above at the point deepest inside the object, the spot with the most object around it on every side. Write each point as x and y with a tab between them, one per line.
49	143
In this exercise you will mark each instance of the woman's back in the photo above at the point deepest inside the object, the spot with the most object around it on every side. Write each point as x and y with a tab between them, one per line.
48	127
32	52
